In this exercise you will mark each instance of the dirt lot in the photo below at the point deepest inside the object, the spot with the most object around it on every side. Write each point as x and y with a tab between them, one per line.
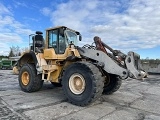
136	100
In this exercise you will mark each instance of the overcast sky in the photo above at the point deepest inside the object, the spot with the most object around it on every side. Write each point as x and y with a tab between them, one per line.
127	25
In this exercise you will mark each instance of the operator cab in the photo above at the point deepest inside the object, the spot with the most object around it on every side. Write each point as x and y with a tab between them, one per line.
60	38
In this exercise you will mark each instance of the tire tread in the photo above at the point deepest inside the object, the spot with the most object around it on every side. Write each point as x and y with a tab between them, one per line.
98	83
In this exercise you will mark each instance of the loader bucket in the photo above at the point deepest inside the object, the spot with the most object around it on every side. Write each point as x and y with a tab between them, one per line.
134	66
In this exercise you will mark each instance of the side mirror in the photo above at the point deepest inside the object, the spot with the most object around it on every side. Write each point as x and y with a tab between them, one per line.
80	38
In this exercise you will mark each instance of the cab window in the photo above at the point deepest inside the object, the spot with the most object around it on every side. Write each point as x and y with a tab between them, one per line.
57	41
52	40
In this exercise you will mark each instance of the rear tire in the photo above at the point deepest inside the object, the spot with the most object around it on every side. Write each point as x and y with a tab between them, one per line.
82	83
29	81
112	84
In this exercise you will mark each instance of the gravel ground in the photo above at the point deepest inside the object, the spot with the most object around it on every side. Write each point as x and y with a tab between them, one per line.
135	100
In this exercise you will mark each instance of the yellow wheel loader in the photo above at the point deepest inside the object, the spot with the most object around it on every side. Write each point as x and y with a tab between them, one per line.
85	73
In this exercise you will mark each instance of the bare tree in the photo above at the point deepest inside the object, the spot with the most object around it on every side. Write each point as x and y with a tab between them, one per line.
14	51
11	53
17	51
25	49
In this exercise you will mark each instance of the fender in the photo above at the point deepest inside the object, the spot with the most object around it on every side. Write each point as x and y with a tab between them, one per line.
32	58
29	57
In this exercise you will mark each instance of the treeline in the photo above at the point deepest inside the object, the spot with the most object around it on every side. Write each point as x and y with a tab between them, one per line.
2	56
155	61
16	51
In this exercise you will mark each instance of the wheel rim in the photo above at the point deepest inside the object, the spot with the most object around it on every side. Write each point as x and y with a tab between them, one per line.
77	83
25	78
107	80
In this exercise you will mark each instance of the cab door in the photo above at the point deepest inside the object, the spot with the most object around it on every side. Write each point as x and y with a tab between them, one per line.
56	40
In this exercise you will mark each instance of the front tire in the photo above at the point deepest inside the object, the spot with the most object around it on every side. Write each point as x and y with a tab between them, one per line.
29	81
112	84
82	83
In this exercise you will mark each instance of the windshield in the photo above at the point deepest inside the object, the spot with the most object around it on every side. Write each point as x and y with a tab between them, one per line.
71	37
